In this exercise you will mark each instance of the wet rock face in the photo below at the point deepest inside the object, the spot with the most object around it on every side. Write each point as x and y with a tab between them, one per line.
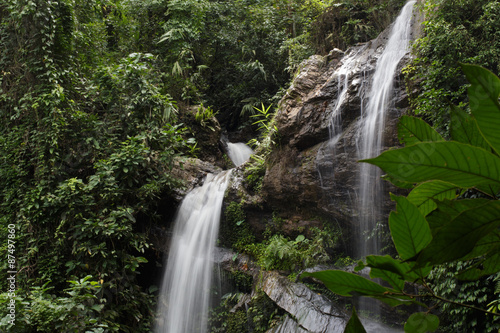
192	171
308	171
313	312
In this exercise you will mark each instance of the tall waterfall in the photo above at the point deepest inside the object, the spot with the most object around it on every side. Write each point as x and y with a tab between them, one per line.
184	294
372	128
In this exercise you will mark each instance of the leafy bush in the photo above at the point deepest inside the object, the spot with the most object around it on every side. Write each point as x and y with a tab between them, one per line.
80	309
284	254
454	317
258	316
88	138
455	31
235	232
345	23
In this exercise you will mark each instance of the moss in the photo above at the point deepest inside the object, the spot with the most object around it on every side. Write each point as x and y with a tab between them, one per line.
242	281
237	322
258	316
235	232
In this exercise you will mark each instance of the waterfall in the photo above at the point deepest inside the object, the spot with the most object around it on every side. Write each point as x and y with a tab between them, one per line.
238	152
372	128
184	294
349	64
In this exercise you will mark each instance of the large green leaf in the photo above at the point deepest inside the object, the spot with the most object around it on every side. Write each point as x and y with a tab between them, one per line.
413	130
409	229
456	239
354	325
403	270
483	97
397	182
424	195
349	284
486	246
421	322
463	128
487	258
457	163
487	266
387	271
449	209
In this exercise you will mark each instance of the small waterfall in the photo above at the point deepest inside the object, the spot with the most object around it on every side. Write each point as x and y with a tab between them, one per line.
343	73
184	294
238	152
372	128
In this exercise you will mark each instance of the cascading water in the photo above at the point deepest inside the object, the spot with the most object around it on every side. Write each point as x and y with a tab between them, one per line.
185	291
238	152
184	294
372	128
343	74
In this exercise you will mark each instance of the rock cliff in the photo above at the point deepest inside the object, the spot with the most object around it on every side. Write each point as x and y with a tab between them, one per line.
308	171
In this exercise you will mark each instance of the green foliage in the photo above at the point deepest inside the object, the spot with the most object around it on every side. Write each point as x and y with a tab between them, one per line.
242	281
292	255
421	322
255	171
281	253
455	31
256	168
354	324
447	230
260	314
235	232
455	317
87	142
265	121
409	230
347	22
78	309
203	115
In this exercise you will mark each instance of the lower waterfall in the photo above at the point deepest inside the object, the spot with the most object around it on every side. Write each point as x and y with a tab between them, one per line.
184	298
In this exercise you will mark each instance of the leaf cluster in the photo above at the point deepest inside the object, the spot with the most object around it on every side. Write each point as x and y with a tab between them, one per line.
88	139
454	31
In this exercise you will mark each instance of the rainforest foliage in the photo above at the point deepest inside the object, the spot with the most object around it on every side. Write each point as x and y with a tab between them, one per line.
92	93
454	31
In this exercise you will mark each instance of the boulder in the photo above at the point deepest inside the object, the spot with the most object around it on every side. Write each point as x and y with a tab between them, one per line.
314	313
192	172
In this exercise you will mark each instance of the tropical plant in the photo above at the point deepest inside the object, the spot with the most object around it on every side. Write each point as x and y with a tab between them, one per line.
436	224
454	31
203	115
88	138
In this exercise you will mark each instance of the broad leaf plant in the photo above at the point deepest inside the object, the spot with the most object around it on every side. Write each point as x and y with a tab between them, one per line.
434	224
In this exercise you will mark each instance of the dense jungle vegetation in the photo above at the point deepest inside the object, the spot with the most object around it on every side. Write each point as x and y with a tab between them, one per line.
93	94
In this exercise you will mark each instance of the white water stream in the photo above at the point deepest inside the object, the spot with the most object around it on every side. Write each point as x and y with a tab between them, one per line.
372	128
185	290
238	152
